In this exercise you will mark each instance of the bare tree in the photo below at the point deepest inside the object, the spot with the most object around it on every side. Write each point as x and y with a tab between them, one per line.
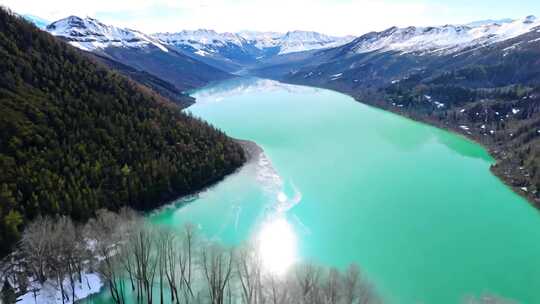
186	263
249	274
278	289
217	265
189	244
331	287
36	243
307	280
107	233
356	289
174	266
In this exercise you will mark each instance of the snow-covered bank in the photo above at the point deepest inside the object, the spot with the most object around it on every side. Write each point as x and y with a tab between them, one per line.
49	292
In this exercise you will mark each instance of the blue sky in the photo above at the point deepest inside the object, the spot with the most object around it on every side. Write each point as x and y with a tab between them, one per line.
338	17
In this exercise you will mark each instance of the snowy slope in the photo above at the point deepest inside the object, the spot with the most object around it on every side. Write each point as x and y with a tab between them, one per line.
299	41
444	39
89	34
262	40
204	42
241	48
49	293
200	38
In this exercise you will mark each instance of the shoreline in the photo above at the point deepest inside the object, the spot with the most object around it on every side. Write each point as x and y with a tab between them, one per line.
498	169
494	150
252	150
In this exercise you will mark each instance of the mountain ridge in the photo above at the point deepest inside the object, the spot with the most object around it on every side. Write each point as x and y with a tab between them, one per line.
226	51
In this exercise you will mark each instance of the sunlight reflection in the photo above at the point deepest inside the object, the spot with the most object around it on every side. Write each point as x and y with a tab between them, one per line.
277	245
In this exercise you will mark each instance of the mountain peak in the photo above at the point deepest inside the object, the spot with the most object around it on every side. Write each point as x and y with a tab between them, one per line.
91	34
480	23
296	41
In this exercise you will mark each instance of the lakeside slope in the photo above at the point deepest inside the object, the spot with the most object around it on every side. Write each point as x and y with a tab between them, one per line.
77	137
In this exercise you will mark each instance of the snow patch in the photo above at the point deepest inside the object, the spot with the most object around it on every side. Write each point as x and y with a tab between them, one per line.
439	104
50	293
336	76
201	53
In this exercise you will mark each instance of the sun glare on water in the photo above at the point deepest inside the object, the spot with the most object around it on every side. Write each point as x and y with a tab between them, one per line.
277	245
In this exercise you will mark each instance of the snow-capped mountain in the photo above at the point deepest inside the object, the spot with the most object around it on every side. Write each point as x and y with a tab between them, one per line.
233	51
209	42
443	39
90	34
294	41
225	51
135	50
299	41
262	40
489	21
202	41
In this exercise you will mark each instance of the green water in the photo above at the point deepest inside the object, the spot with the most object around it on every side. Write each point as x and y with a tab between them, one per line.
416	207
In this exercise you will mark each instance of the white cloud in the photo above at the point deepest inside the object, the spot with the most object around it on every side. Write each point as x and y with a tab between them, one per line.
340	18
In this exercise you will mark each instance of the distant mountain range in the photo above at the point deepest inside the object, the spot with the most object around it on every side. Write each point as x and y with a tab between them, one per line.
234	50
227	51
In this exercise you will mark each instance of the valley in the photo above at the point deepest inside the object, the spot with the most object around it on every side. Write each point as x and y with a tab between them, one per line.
478	79
281	150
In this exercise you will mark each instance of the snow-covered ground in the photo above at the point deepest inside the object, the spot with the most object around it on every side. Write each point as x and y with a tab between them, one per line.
49	292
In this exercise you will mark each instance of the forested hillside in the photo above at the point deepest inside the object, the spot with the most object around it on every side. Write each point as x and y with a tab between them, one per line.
76	137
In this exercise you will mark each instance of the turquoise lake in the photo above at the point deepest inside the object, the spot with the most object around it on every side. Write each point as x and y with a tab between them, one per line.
417	208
